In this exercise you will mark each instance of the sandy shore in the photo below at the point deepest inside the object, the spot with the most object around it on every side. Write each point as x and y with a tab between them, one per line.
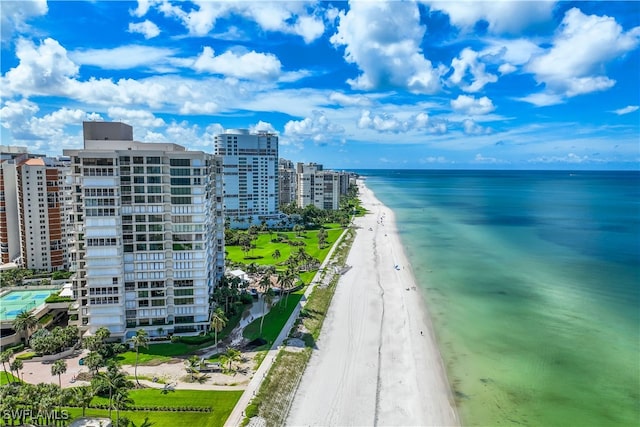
377	362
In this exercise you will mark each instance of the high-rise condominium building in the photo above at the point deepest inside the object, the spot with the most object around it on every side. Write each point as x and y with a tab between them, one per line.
43	213
33	210
288	185
250	176
148	233
318	187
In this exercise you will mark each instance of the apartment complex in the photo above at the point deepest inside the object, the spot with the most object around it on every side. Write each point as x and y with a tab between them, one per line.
319	187
287	182
250	176
33	210
148	244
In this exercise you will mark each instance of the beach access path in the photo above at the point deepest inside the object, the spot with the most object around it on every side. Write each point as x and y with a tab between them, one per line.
376	362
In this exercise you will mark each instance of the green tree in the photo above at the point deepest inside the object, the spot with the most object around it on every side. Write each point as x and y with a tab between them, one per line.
267	300
24	322
94	361
322	237
140	339
218	322
276	254
112	381
230	356
193	366
16	366
82	396
5	357
58	368
121	400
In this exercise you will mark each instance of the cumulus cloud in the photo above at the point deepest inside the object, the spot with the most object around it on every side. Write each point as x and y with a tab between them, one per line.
502	16
250	65
479	158
136	118
317	129
468	63
43	69
470	127
383	39
190	107
574	65
472	106
297	18
389	123
626	110
15	14
147	28
262	127
141	9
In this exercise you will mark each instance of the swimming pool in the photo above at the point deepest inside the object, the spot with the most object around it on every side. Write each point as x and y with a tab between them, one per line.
12	303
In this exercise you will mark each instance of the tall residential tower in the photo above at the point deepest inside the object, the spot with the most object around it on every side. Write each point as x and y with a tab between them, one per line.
148	233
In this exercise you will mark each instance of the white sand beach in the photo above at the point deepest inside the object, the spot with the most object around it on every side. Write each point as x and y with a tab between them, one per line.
377	362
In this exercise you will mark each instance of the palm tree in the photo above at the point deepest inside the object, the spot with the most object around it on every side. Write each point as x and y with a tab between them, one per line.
113	380
218	321
145	423
83	396
286	280
140	339
24	322
58	368
16	366
5	357
94	361
322	237
267	300
193	366
121	400
231	355
276	254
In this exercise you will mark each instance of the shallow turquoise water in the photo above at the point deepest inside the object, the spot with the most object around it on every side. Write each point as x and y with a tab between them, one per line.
533	282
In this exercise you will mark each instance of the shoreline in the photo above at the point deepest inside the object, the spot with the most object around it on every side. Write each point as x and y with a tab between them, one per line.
377	361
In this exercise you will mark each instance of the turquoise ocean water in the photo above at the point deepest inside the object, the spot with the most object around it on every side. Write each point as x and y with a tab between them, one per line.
533	283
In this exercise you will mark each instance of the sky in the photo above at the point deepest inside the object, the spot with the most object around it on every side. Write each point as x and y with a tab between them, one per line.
351	85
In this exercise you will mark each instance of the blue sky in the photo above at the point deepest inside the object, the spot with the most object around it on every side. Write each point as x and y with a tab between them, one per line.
361	84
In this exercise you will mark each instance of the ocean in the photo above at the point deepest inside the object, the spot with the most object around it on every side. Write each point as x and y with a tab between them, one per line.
532	280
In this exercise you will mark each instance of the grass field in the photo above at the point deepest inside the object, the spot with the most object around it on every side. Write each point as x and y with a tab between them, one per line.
5	378
274	320
264	249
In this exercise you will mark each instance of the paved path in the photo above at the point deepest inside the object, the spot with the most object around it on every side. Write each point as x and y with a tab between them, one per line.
237	415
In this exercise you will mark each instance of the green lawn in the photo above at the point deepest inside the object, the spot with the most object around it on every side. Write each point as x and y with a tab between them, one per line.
221	403
156	353
274	320
262	254
6	376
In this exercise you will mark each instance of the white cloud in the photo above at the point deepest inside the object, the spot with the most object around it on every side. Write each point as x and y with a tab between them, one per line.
262	127
502	16
141	9
349	100
286	17
574	65
434	159
147	28
389	123
198	108
506	68
383	39
472	106
468	61
250	65
542	99
136	118
124	57
317	129
15	14
479	158
626	110
472	128
569	158
45	69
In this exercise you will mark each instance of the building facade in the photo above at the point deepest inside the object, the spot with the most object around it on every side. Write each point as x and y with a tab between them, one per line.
287	182
250	176
148	244
43	213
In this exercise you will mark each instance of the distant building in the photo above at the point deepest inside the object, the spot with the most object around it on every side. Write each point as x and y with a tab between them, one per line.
319	187
250	176
288	185
34	201
148	244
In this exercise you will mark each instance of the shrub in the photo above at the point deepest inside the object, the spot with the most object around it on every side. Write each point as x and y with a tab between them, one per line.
26	356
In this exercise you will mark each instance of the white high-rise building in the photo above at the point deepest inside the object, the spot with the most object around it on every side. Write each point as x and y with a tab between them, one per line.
321	188
148	233
288	182
250	176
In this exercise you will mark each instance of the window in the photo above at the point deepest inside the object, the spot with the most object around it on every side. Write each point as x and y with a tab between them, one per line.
180	162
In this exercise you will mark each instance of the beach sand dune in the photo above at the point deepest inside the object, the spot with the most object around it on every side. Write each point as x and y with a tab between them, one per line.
376	361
